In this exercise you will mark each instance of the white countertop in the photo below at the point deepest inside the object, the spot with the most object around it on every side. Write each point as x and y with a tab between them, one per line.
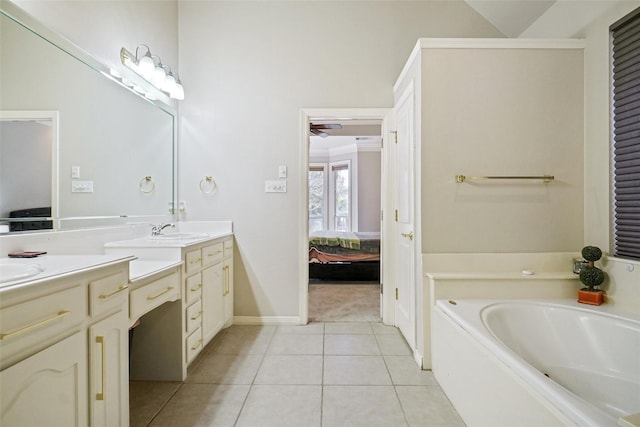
140	269
149	242
56	266
504	275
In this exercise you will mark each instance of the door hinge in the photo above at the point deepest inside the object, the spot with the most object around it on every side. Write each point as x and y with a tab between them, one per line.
395	135
396	215
381	288
396	293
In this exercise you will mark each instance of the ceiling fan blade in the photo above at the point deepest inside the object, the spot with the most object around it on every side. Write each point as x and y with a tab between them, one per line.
326	126
319	133
332	126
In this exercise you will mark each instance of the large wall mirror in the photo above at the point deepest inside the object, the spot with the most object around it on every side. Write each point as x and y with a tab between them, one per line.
76	147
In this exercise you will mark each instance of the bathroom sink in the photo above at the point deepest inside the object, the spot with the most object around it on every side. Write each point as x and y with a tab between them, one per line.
10	271
179	236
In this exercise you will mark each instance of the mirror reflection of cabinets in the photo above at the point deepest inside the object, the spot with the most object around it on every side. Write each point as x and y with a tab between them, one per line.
115	149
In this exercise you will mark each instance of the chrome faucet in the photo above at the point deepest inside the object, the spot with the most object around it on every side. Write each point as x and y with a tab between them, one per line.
156	230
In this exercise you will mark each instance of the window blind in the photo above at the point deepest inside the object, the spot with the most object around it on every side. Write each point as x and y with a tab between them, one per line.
625	36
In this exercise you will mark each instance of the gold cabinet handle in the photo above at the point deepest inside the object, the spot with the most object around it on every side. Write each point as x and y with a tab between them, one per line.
197	344
195	261
102	394
117	291
210	254
226	280
151	298
27	328
198	314
408	235
195	288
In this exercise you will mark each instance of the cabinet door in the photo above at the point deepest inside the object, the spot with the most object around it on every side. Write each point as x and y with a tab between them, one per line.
48	388
228	292
109	373
212	301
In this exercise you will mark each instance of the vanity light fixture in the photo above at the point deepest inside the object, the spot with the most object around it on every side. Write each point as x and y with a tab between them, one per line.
151	68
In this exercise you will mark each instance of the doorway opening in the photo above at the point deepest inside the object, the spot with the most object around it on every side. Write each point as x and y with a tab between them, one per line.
343	233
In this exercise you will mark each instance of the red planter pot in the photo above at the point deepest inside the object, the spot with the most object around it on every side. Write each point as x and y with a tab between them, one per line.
592	298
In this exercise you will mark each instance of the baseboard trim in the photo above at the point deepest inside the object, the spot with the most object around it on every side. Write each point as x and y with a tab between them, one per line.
417	356
266	320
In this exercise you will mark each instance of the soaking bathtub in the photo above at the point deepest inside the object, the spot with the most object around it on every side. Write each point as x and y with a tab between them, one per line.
537	363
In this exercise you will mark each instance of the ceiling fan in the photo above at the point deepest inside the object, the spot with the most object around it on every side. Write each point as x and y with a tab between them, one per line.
317	129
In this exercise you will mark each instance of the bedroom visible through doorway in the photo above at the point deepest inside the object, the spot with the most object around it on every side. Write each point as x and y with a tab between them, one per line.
344	187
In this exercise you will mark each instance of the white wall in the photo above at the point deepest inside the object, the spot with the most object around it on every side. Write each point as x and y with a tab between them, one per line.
102	27
623	276
502	112
255	65
369	190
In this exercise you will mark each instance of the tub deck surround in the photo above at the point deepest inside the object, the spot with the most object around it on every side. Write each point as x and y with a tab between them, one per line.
554	362
494	284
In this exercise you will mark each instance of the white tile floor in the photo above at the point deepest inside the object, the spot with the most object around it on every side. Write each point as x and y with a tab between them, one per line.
321	374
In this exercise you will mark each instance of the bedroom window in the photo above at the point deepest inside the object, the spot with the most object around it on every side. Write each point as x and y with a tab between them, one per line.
330	188
341	195
626	135
317	197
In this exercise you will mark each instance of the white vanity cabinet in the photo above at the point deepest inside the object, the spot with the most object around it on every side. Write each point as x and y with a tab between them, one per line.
63	349
208	287
109	350
48	388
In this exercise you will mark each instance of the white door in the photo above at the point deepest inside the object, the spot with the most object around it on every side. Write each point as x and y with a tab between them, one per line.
404	243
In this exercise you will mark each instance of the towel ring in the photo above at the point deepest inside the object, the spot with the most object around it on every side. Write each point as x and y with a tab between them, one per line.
208	185
147	185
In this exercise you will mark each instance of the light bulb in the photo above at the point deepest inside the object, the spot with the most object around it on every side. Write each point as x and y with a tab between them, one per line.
146	66
178	92
159	76
169	83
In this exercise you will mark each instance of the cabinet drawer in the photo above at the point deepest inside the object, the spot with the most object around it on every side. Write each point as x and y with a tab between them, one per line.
193	344
228	248
36	324
193	288
108	292
150	296
212	253
192	261
193	316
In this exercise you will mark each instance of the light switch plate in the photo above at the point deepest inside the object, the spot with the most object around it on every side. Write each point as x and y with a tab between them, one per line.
277	186
282	171
75	172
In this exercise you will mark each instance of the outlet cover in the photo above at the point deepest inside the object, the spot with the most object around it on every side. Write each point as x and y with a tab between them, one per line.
277	186
82	186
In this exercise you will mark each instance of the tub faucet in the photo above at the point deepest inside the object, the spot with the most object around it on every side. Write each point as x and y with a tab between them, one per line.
156	230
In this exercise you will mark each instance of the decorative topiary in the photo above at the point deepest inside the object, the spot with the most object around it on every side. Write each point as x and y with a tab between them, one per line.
591	277
591	254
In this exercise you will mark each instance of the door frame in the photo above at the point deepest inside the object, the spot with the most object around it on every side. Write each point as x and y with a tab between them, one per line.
306	114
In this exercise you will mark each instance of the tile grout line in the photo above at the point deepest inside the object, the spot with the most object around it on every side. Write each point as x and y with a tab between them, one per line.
273	334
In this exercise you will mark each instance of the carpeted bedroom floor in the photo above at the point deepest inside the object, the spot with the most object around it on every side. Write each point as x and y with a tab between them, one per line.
344	302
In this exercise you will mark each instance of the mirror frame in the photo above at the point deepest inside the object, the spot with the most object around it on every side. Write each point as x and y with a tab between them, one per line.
161	101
